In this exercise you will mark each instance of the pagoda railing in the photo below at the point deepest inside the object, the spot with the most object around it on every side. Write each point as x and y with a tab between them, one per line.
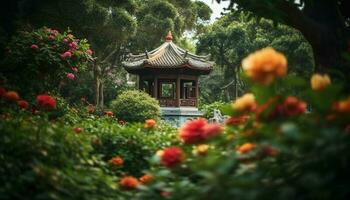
173	102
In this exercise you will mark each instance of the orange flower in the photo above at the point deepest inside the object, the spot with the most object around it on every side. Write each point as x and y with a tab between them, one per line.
265	65
245	148
246	103
77	130
91	108
116	161
129	182
342	106
146	179
11	96
320	82
150	123
202	149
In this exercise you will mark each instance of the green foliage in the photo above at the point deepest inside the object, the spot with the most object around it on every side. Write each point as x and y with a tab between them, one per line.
132	142
43	62
233	36
43	160
208	109
135	106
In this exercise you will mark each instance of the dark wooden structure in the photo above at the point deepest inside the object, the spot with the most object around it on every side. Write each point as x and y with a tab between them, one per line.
169	73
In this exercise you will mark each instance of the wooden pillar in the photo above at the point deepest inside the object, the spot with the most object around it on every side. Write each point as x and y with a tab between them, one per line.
178	85
140	83
155	88
197	91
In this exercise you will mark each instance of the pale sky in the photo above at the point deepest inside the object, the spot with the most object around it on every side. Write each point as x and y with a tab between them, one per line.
217	8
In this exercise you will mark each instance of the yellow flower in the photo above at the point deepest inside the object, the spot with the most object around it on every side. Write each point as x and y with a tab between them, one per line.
320	82
201	149
265	65
245	103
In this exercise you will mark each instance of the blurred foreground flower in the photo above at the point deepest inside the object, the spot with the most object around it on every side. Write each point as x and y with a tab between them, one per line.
146	178
320	82
46	101
265	65
23	104
172	156
245	148
246	103
198	130
11	96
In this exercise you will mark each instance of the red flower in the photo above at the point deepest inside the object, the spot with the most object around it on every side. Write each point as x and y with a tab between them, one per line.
89	51
34	46
109	113
91	108
46	101
11	96
197	131
66	55
236	120
70	76
2	91
172	156
23	104
129	182
293	106
77	129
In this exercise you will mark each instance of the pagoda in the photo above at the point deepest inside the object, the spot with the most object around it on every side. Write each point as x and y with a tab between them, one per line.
170	74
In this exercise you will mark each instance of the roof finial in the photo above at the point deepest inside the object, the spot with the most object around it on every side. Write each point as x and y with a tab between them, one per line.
169	37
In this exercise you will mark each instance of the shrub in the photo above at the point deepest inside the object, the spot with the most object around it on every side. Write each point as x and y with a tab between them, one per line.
44	60
132	142
43	160
135	106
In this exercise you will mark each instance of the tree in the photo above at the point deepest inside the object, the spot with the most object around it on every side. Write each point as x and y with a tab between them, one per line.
324	24
233	36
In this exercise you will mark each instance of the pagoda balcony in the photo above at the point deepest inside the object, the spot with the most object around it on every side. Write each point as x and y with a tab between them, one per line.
175	103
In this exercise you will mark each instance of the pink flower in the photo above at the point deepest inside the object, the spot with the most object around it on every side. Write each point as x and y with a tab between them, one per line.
65	40
89	51
74	69
34	46
52	37
73	45
66	54
70	76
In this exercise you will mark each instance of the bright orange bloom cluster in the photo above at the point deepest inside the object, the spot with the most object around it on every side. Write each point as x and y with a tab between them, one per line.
11	96
265	65
198	130
342	106
320	82
172	156
146	178
129	182
246	103
91	108
245	148
150	123
116	161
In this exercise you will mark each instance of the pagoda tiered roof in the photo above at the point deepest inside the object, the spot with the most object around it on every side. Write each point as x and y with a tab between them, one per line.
168	56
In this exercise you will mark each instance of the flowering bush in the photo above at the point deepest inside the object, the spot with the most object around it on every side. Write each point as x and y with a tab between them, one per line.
46	56
271	147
